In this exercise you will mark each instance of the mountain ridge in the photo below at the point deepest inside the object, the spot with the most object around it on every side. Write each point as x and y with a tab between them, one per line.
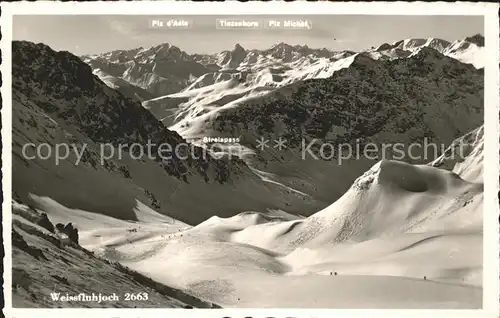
279	60
79	109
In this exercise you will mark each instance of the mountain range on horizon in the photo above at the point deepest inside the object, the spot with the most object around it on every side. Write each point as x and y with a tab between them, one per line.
245	216
132	65
477	39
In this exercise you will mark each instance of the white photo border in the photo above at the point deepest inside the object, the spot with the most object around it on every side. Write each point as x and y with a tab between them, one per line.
491	236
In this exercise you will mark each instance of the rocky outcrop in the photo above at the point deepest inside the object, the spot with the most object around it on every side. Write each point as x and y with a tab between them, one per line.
68	230
45	223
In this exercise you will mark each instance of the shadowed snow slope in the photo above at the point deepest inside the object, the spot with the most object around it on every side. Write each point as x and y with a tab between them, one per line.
124	87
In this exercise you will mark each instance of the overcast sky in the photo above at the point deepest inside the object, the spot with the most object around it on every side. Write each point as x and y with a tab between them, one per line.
86	34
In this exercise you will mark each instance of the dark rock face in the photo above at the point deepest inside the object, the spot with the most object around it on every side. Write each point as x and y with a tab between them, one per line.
69	230
19	242
74	236
45	223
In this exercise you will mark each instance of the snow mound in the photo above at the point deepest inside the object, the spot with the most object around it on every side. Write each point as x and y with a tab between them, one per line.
393	197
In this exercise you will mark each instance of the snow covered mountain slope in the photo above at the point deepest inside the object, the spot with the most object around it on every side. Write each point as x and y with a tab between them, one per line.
297	186
124	87
469	50
44	266
264	228
426	97
396	225
58	101
160	70
165	69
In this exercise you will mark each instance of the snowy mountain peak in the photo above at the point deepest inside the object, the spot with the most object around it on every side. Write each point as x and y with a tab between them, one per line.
427	52
285	48
282	45
437	44
393	174
384	47
362	59
412	44
477	39
164	47
468	50
168	50
232	59
238	49
408	44
164	51
286	52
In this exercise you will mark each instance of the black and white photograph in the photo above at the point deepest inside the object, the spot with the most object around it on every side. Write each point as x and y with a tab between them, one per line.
312	161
